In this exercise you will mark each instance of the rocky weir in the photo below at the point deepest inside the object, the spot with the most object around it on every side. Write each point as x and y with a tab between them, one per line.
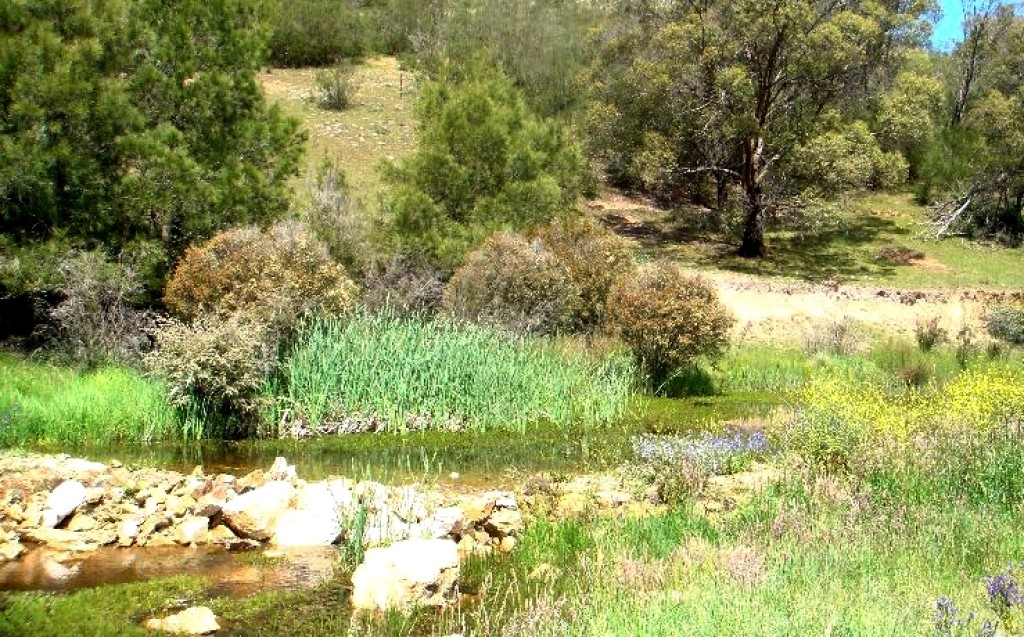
77	507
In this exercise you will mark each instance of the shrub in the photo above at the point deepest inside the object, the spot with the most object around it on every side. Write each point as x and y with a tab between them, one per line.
483	162
318	33
335	87
592	256
96	321
836	337
403	288
1006	323
513	283
338	220
908	364
668	318
215	369
275	276
929	334
385	372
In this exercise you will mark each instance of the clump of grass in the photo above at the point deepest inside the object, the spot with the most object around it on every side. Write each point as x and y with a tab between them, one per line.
42	403
402	373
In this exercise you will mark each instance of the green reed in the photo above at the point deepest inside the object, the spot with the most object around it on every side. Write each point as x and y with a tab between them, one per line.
449	373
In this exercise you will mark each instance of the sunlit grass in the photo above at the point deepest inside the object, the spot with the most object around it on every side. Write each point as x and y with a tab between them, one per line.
44	403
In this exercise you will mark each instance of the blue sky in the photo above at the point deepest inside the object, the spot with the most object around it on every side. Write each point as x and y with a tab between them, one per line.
947	30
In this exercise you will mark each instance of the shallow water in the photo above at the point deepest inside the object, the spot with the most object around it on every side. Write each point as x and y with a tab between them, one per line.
493	459
231	573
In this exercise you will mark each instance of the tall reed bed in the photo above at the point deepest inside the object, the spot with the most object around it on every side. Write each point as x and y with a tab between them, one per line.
398	371
48	404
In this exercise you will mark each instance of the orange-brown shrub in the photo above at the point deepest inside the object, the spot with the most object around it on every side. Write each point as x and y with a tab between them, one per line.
277	276
513	283
592	257
668	318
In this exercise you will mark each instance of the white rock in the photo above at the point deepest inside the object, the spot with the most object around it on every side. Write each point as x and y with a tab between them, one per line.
197	620
281	470
192	528
315	522
407	573
254	514
445	522
62	501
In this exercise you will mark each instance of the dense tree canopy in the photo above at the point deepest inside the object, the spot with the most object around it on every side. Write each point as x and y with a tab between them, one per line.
122	120
483	162
730	89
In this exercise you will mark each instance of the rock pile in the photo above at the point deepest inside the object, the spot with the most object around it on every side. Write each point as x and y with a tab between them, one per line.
75	505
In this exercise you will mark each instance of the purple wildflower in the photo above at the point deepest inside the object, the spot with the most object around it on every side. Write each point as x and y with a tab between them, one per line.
1003	591
714	454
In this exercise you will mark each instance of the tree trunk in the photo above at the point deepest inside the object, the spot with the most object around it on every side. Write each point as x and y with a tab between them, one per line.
753	246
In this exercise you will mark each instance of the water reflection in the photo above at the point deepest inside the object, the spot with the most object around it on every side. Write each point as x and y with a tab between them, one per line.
230	573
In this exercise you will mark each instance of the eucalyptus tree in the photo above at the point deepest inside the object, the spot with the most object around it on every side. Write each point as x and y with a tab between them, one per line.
730	89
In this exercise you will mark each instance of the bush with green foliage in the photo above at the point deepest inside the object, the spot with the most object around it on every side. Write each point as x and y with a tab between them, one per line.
1006	323
138	120
276	276
668	318
482	163
592	257
512	283
335	87
318	32
847	158
382	372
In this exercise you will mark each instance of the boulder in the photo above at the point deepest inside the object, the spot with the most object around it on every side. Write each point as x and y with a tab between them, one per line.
192	528
62	501
407	573
504	522
281	470
315	521
10	550
254	514
446	522
197	620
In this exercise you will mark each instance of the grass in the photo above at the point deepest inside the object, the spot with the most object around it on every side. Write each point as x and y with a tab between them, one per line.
847	243
44	403
862	549
377	126
395	371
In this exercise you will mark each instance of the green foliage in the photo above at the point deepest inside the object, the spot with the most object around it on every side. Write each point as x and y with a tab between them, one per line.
335	87
689	93
668	318
42	403
1006	323
848	158
215	369
137	120
483	162
542	45
318	32
396	374
512	283
592	257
